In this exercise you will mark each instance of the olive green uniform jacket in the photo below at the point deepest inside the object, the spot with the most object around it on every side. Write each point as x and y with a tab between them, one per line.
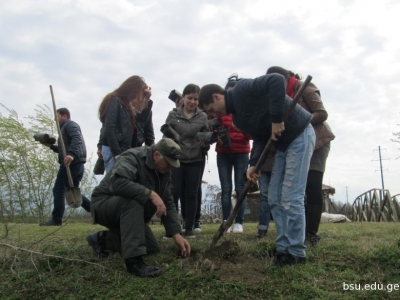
121	201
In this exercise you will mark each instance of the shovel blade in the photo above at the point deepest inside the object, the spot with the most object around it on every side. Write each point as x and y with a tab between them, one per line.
73	197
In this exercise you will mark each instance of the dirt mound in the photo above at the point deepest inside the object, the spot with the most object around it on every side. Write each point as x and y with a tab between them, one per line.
227	261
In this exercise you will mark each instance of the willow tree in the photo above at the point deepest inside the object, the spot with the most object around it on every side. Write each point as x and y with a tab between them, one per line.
27	168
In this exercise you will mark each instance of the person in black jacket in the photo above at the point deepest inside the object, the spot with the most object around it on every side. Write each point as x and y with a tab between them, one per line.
119	112
258	107
143	132
75	159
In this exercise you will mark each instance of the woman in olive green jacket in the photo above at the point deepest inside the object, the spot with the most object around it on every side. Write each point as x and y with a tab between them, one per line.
187	120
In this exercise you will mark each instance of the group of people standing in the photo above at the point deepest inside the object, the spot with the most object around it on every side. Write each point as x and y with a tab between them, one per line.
139	184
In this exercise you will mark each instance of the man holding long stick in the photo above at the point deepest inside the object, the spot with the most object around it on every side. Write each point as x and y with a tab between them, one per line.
75	158
258	107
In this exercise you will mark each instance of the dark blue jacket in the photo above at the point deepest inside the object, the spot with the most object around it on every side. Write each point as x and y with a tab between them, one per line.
257	103
73	142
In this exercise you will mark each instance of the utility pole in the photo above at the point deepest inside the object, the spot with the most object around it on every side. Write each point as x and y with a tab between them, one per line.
380	163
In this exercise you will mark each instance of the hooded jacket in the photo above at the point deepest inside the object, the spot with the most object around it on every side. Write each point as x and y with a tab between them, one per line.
257	103
187	129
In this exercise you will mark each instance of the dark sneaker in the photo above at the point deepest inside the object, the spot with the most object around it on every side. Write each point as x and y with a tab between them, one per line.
311	240
50	223
261	233
97	242
183	226
287	259
189	234
137	266
197	227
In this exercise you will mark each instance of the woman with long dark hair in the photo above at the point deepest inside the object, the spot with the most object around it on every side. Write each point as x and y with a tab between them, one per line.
117	113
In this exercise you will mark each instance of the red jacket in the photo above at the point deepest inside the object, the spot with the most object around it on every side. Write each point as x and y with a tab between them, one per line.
239	140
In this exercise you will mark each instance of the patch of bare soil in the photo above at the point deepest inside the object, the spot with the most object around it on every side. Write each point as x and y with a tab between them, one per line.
228	262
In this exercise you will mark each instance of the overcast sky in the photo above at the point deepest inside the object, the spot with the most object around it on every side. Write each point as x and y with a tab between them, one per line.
85	49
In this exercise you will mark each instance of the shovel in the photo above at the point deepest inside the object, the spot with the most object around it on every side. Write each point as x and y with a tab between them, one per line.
225	225
73	195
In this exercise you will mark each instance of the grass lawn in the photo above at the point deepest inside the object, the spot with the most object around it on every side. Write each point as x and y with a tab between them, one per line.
357	254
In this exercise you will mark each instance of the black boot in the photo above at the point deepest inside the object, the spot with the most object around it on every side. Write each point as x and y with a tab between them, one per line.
287	259
51	223
97	242
136	265
313	218
261	233
113	242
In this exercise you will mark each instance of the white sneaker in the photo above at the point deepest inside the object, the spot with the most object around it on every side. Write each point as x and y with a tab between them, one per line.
238	228
229	230
197	227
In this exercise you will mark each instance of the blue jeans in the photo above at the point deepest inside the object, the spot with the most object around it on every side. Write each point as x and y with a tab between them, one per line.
109	159
61	184
239	163
286	193
264	210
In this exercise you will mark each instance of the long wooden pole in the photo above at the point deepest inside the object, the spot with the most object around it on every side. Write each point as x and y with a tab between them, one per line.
70	181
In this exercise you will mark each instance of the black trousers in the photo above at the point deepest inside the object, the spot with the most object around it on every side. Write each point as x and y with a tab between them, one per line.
199	195
126	219
185	184
314	188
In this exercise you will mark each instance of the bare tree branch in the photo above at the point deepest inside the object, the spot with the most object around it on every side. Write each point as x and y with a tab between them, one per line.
50	256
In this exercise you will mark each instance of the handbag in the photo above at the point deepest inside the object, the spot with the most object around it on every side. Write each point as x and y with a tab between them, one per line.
99	166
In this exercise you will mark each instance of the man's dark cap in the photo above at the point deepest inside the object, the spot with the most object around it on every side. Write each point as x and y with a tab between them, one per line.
170	150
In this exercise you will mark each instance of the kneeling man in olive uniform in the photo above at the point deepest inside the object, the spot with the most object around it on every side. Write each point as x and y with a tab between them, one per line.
136	188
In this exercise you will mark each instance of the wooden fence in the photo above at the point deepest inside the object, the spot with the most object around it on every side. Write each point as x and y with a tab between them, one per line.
375	205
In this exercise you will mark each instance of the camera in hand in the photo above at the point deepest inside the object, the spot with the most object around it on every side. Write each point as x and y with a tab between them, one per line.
170	133
175	95
44	138
208	137
214	123
224	137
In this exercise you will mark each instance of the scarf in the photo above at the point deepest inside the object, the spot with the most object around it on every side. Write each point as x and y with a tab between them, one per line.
290	87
